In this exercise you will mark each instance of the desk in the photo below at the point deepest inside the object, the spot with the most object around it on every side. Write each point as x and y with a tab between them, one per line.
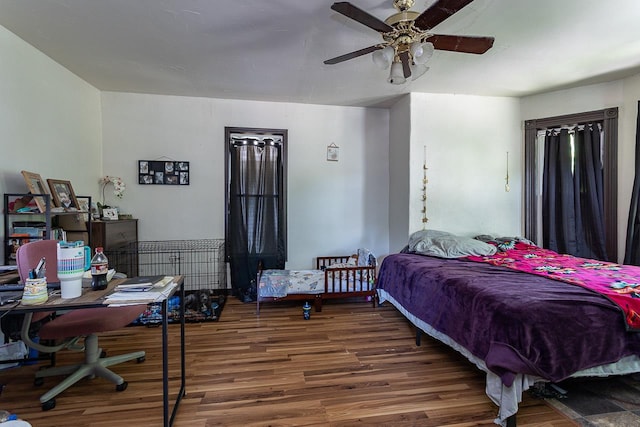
9	277
93	299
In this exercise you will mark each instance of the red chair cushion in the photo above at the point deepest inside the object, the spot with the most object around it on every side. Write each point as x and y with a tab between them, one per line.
86	321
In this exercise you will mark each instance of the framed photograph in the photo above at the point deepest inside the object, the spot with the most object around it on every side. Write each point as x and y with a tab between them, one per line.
110	213
143	167
63	195
36	185
84	206
163	172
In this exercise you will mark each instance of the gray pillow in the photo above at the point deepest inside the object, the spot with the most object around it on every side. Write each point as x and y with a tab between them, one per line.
422	239
451	246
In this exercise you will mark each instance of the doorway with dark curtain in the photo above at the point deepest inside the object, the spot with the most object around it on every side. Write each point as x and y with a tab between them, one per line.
255	225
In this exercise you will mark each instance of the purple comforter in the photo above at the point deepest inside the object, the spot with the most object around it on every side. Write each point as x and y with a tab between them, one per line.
516	322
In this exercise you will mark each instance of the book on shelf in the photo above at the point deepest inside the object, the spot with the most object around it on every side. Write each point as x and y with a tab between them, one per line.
20	236
30	231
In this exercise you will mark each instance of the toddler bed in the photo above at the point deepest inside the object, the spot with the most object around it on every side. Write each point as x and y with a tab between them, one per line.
343	276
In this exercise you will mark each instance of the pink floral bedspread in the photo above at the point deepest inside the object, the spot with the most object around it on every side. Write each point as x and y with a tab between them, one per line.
619	283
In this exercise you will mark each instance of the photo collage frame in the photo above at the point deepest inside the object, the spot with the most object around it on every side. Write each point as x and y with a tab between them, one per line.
163	172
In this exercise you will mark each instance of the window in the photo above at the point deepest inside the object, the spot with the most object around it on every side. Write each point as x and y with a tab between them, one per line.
609	120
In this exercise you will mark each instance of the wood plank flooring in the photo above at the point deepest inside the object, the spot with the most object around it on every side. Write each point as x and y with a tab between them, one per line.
350	365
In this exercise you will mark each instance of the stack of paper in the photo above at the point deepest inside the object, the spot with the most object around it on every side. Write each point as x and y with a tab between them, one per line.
130	295
143	283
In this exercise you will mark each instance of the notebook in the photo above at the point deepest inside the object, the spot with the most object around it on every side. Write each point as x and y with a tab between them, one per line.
10	296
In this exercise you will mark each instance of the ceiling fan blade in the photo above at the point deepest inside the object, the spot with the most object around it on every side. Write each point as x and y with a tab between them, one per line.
466	44
438	12
359	15
406	67
352	55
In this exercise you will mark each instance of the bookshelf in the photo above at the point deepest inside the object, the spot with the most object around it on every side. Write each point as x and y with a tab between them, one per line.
23	224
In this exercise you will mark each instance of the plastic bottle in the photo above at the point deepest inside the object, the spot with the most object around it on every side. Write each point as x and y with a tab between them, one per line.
99	269
306	311
7	416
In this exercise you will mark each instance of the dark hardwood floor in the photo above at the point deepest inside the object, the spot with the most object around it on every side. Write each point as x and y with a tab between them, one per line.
349	365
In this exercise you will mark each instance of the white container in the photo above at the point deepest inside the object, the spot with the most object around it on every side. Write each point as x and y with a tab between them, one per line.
73	261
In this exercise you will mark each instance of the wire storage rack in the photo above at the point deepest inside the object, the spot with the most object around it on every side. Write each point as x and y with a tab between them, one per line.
201	262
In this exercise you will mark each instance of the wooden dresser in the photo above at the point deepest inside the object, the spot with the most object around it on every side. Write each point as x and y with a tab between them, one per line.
118	238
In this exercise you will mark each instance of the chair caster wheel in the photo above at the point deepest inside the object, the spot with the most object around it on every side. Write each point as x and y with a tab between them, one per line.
49	404
38	382
141	359
103	354
122	387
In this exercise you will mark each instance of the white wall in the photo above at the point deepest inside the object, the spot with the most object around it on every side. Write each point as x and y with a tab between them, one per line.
333	207
467	139
399	173
49	121
623	94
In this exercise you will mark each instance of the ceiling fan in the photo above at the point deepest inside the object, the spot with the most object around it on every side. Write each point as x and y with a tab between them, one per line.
408	40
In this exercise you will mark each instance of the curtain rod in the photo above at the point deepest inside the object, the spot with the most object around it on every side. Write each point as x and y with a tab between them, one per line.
570	128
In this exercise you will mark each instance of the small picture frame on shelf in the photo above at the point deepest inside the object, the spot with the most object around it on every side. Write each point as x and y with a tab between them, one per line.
36	185
63	194
84	207
110	214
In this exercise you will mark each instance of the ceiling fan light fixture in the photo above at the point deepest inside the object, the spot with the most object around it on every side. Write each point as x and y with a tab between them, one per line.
383	58
418	70
421	52
396	74
406	34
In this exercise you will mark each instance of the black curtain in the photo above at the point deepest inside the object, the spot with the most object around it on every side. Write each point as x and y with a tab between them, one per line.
255	212
632	251
558	210
572	198
588	177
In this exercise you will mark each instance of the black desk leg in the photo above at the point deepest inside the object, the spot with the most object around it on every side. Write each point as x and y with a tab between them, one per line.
165	364
511	421
181	392
168	421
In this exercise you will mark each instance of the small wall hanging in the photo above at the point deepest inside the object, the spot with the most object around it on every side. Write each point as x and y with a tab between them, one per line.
333	152
425	181
506	185
164	172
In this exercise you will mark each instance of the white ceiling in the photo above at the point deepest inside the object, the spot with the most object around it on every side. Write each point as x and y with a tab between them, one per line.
272	50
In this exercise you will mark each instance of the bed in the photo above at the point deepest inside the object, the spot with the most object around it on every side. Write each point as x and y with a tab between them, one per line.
335	277
519	328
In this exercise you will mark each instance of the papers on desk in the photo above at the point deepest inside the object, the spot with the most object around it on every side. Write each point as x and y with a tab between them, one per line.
143	283
134	294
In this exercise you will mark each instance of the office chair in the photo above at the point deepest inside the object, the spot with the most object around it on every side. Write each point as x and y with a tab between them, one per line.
66	330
